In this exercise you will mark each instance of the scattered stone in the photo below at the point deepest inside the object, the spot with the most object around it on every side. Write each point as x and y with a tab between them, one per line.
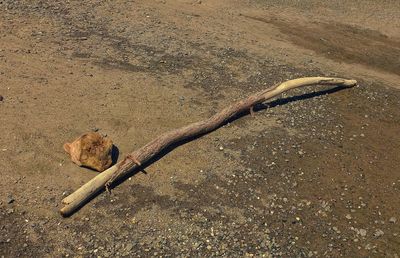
129	247
362	232
10	199
392	220
348	216
378	233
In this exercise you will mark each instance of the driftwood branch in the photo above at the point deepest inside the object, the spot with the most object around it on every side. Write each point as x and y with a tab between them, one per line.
141	156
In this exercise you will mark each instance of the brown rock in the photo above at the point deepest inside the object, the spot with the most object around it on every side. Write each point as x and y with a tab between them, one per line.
91	150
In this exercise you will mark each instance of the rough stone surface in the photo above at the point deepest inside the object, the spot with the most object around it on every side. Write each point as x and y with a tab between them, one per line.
91	150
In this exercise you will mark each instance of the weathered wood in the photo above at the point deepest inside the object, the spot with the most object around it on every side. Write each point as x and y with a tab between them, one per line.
156	146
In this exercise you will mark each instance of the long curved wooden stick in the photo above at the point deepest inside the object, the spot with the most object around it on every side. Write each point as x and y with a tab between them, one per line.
150	150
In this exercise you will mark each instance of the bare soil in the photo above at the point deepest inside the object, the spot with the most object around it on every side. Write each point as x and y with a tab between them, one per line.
314	173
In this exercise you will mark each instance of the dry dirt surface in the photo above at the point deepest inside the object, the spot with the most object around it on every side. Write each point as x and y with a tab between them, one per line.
315	173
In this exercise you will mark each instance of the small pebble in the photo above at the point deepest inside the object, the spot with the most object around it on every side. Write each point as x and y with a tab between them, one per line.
10	200
378	233
129	247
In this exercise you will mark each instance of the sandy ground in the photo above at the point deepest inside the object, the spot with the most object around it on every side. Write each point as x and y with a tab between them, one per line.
314	173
